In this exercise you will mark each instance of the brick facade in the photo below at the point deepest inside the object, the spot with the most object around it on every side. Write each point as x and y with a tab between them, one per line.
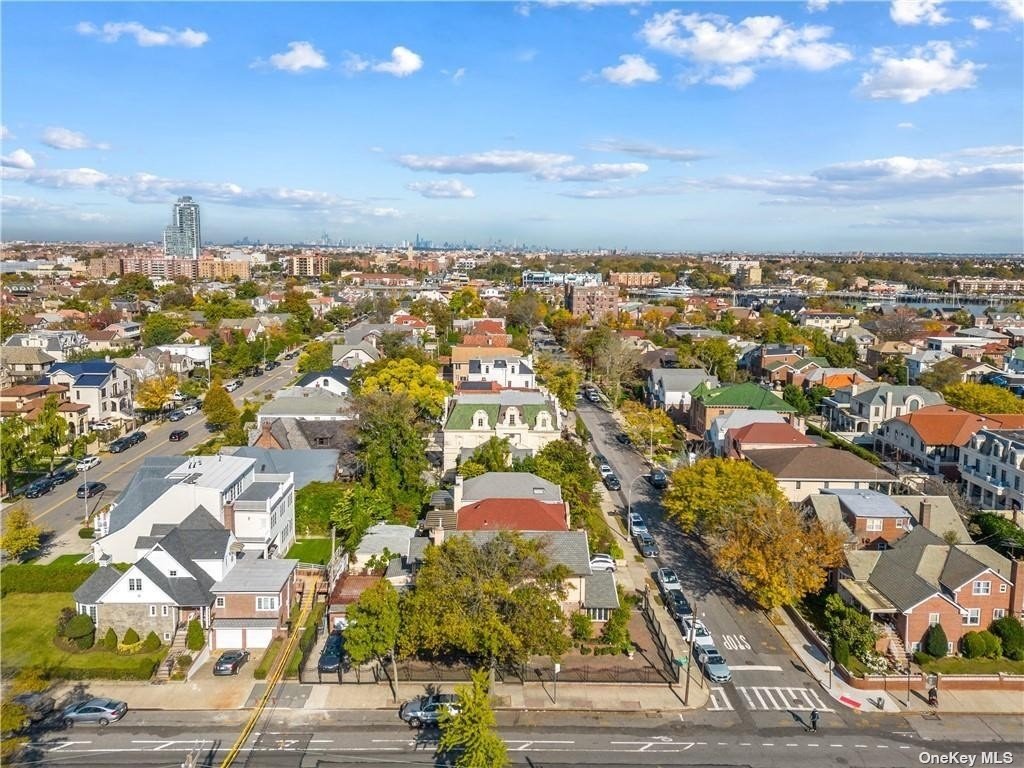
243	606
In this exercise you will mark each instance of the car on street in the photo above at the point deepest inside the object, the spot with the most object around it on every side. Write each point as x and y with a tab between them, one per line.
136	437
695	632
230	662
600	562
188	410
178	435
178	396
426	710
599	459
666	580
677	605
102	711
623	439
231	386
272	364
332	657
39	488
611	482
713	665
658	479
175	416
635	522
119	445
604	470
90	489
645	544
61	476
87	462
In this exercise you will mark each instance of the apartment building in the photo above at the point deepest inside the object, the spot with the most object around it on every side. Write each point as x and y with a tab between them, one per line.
103	386
635	279
992	469
593	302
308	265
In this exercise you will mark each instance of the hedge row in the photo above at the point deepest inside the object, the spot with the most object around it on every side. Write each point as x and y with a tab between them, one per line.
141	669
269	656
35	579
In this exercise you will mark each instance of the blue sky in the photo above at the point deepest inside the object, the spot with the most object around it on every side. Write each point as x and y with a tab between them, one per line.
805	125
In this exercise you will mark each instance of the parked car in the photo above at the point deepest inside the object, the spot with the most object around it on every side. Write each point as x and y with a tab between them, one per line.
102	425
230	662
694	631
666	580
623	439
711	662
611	482
658	479
87	462
136	437
119	445
599	459
426	710
102	711
604	470
332	657
645	543
272	364
635	523
188	410
90	489
61	476
677	605
601	562
178	396
178	435
176	416
231	386
39	488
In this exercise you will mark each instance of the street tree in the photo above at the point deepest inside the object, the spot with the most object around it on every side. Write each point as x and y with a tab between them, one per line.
14	449
316	357
50	429
982	398
374	623
647	426
704	494
561	378
155	392
218	407
617	364
470	738
774	553
418	381
19	535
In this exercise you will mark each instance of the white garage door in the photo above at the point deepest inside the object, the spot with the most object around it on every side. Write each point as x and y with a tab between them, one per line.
227	639
258	638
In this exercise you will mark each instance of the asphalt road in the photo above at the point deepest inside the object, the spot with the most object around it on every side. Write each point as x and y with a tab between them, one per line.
767	679
60	510
305	739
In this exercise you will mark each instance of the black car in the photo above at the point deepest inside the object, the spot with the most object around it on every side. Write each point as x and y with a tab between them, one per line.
119	445
177	435
39	487
611	482
677	605
332	657
135	438
623	439
645	543
658	478
599	459
272	364
230	662
90	489
61	476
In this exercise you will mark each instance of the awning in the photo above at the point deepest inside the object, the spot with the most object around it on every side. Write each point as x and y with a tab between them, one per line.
869	598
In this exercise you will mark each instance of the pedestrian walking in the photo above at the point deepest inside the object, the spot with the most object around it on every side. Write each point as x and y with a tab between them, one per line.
814	720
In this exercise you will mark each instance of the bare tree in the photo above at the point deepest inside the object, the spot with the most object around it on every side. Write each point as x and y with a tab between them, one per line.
617	364
899	326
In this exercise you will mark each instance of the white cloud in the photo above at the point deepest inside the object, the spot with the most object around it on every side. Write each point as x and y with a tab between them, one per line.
981	23
632	69
64	138
458	74
300	55
19	158
814	6
494	161
595	172
615	193
403	63
650	151
31	207
354	63
930	69
1014	9
5	134
913	12
729	54
905	126
442	189
1001	150
111	32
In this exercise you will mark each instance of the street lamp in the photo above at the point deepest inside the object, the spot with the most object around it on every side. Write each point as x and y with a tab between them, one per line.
629	494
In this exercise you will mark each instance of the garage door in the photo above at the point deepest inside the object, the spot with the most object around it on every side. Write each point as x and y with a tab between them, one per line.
258	638
227	638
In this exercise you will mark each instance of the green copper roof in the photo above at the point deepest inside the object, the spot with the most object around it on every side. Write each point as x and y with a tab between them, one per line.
747	395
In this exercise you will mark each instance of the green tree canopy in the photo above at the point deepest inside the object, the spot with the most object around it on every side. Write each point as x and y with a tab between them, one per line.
160	328
50	429
316	357
983	398
470	736
418	381
390	438
943	374
650	427
19	534
219	408
561	378
359	507
704	494
374	623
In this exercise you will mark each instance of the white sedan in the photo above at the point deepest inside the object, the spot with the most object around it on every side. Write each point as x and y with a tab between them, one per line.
188	410
602	563
87	463
694	631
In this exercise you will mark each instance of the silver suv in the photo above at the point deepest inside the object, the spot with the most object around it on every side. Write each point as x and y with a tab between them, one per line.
426	710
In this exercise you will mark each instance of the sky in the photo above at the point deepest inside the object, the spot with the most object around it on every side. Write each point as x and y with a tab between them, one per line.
820	125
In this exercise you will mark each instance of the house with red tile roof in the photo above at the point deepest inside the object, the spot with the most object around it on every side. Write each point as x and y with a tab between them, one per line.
513	515
764	436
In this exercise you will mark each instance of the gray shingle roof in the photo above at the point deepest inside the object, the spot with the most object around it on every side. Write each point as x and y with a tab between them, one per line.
256	575
336	372
818	463
17	355
599	590
307	465
682	379
183	590
245	623
568	548
510	485
96	585
959	568
900	584
147	485
311	402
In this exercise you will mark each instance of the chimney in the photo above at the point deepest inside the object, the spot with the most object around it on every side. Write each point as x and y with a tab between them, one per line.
437	534
457	493
926	514
1016	606
229	517
887	413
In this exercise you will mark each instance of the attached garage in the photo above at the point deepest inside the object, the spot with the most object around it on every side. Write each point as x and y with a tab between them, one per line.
224	639
258	638
245	634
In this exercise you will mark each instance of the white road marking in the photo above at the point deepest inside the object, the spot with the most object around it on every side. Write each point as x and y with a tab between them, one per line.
64	745
780	698
718	700
735	643
756	668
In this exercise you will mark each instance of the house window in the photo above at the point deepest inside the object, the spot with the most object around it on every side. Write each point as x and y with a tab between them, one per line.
152	610
973	617
915	647
1002	588
480	422
173	573
219	603
167	636
134	585
998	613
266	603
798	484
982	588
874	524
165	610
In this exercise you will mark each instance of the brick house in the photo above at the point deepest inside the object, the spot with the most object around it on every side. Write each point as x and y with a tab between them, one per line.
252	603
739	397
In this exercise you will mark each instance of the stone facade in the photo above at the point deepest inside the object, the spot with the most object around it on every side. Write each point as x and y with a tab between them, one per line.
122	616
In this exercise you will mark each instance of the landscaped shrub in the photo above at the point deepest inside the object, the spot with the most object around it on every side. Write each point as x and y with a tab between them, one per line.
616	630
842	620
841	651
582	627
993	645
972	645
935	641
195	639
65	615
184	661
81	631
34	579
142	669
110	640
261	671
921	658
131	637
1011	632
151	643
86	533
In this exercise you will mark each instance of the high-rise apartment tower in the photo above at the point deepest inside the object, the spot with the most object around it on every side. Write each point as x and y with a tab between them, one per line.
182	238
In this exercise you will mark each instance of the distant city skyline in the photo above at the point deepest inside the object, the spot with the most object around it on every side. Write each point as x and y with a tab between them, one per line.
821	126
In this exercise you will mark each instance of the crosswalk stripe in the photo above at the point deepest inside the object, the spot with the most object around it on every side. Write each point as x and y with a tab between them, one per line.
781	698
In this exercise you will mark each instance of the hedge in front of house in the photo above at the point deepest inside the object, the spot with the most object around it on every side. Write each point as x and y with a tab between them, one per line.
35	579
269	656
142	669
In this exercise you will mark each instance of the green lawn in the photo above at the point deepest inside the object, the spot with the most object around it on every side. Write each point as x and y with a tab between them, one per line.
955	665
62	560
316	551
27	625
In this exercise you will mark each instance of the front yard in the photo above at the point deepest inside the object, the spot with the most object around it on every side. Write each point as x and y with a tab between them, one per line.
957	665
27	628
